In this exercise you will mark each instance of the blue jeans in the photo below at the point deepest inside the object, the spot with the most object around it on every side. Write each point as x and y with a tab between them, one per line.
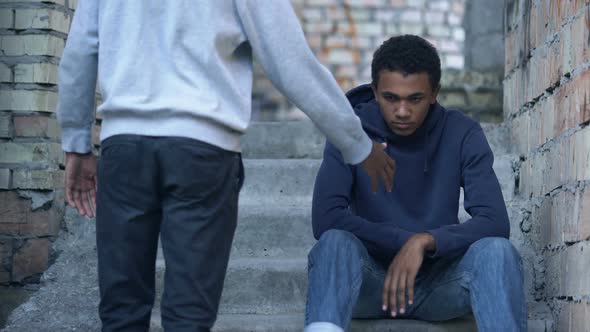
345	282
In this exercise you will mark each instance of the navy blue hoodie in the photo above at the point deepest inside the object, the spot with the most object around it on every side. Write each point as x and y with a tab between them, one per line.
447	152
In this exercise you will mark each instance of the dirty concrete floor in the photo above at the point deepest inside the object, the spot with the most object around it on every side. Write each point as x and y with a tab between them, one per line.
11	297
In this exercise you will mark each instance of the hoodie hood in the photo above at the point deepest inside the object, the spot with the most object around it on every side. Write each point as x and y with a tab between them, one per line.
367	109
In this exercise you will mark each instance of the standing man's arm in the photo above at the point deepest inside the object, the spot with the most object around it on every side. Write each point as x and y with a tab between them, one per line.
75	110
278	43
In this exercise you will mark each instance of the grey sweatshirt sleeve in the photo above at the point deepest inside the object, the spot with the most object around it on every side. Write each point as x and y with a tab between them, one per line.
274	32
77	79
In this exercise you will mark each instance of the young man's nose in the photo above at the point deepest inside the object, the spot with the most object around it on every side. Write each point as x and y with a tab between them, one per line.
403	111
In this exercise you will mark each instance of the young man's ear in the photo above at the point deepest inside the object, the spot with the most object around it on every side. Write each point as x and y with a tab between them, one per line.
435	95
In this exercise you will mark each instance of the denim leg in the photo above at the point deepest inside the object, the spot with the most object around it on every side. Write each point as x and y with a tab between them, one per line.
486	280
200	185
127	224
497	292
339	267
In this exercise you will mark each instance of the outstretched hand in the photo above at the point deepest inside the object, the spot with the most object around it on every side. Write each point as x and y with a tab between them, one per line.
379	165
81	182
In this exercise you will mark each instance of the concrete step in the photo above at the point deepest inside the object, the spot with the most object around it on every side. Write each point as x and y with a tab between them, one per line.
258	286
283	140
301	139
294	323
290	181
498	137
279	181
270	232
284	231
266	277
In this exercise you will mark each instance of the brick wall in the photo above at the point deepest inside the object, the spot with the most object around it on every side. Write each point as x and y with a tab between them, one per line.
32	38
547	106
344	34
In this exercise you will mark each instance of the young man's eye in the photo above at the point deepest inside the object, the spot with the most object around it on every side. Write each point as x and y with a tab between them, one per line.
416	100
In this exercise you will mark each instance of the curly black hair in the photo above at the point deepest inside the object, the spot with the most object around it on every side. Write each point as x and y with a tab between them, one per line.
408	54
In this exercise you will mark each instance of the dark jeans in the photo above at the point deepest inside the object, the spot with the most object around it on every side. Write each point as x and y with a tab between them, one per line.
186	192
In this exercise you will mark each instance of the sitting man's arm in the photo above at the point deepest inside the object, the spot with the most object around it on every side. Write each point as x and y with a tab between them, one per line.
483	200
331	209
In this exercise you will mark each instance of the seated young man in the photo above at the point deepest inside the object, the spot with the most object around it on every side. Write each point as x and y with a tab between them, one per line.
403	253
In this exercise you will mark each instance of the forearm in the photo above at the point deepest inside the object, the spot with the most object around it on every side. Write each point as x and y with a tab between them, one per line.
451	240
381	238
77	80
280	46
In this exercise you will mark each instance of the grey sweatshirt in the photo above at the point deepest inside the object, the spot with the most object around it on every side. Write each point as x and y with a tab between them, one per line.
184	68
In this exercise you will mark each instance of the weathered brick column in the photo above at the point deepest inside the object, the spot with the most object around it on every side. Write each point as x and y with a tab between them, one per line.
32	38
547	105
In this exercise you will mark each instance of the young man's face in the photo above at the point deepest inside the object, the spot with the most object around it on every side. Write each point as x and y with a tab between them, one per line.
404	100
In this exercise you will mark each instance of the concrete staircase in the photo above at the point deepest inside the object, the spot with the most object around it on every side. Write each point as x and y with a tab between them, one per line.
266	281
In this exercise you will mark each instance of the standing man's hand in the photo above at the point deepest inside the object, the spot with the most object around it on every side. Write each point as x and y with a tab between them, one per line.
81	182
402	273
379	165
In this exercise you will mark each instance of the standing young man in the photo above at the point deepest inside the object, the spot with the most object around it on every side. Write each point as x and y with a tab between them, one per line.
176	79
404	253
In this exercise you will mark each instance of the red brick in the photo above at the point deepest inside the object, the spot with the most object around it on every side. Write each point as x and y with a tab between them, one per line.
544	19
17	218
548	64
566	162
41	223
25	152
13	208
36	126
563	218
574	317
38	179
5	178
567	108
5	125
31	259
565	271
5	253
5	260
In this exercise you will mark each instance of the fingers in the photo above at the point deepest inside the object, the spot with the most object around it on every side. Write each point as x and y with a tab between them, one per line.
387	178
92	197
391	164
70	197
86	203
401	293
76	196
410	281
385	293
389	171
380	167
393	293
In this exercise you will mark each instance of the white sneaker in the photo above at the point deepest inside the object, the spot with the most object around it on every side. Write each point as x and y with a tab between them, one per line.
323	327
